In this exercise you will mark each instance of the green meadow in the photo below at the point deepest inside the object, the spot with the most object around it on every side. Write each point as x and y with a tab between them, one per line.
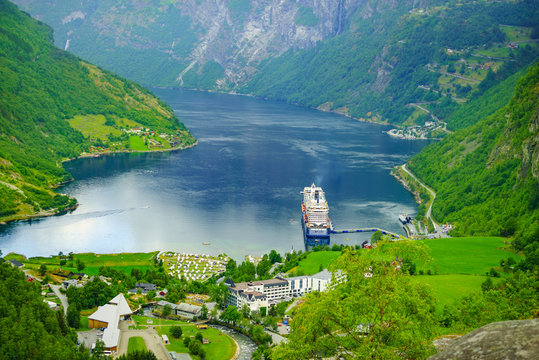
468	255
314	261
124	262
221	346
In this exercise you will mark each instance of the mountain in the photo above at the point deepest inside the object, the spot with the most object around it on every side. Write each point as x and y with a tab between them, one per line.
487	175
402	62
55	106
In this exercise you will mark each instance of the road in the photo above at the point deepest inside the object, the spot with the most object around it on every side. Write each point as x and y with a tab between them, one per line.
62	297
437	228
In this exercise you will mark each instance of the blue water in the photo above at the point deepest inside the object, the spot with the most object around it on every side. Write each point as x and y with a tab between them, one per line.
239	189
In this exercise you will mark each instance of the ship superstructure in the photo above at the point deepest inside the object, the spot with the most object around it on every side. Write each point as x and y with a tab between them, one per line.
315	209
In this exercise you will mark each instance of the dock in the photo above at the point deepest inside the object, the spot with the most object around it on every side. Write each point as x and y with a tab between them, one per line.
349	231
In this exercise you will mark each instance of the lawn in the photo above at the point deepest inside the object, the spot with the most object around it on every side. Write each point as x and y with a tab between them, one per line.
448	288
136	143
123	262
221	346
468	255
136	343
312	263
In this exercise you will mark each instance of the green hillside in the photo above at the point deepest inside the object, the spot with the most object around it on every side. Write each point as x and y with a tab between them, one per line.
486	176
401	55
46	96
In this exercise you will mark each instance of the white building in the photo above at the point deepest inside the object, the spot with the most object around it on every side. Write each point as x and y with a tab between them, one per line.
109	315
264	293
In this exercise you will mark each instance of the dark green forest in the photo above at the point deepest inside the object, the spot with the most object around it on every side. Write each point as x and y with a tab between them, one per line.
28	328
486	176
41	87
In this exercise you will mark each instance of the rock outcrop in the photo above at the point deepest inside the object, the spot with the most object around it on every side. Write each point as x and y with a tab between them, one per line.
511	340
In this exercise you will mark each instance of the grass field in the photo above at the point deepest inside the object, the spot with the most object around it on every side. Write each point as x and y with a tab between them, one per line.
516	33
124	262
93	126
221	346
311	264
448	288
468	255
136	343
136	143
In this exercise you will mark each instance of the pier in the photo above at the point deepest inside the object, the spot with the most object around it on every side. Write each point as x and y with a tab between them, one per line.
348	231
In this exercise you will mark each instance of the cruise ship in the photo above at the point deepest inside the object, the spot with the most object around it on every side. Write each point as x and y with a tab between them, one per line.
315	219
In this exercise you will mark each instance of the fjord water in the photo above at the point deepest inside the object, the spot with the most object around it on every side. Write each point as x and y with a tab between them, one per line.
238	189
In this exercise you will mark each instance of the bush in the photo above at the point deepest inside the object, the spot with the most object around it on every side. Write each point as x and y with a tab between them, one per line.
176	331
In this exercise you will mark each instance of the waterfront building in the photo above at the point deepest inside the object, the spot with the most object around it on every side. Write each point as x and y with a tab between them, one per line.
264	293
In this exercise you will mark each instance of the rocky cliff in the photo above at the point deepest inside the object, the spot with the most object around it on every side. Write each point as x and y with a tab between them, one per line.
195	43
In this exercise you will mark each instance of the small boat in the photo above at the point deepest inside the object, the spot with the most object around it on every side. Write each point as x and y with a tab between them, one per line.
206	243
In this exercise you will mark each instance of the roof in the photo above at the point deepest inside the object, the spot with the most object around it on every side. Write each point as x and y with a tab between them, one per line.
164	303
111	335
15	262
146	286
265	283
323	275
110	313
193	309
123	306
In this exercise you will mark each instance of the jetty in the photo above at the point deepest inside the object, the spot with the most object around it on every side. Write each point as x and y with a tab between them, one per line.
348	231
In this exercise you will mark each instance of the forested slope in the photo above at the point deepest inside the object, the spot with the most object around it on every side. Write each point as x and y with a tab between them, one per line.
41	88
29	329
402	54
487	176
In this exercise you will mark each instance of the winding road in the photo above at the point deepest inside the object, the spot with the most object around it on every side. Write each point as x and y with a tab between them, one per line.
437	228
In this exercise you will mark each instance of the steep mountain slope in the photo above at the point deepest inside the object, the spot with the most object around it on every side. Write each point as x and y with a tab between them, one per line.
487	176
376	60
42	90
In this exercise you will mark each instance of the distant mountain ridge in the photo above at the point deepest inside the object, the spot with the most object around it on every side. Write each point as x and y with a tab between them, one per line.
54	106
367	59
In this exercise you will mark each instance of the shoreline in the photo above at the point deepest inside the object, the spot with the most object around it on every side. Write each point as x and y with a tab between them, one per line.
319	108
126	151
29	217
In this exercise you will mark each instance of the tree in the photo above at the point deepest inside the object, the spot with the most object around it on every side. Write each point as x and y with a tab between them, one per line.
382	316
376	236
204	312
80	265
199	337
176	331
150	295
42	269
99	350
73	316
245	311
231	314
275	257
167	310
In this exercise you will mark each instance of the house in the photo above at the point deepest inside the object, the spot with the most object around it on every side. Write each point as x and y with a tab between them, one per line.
144	288
80	276
188	311
16	263
183	309
52	305
72	282
109	316
63	273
